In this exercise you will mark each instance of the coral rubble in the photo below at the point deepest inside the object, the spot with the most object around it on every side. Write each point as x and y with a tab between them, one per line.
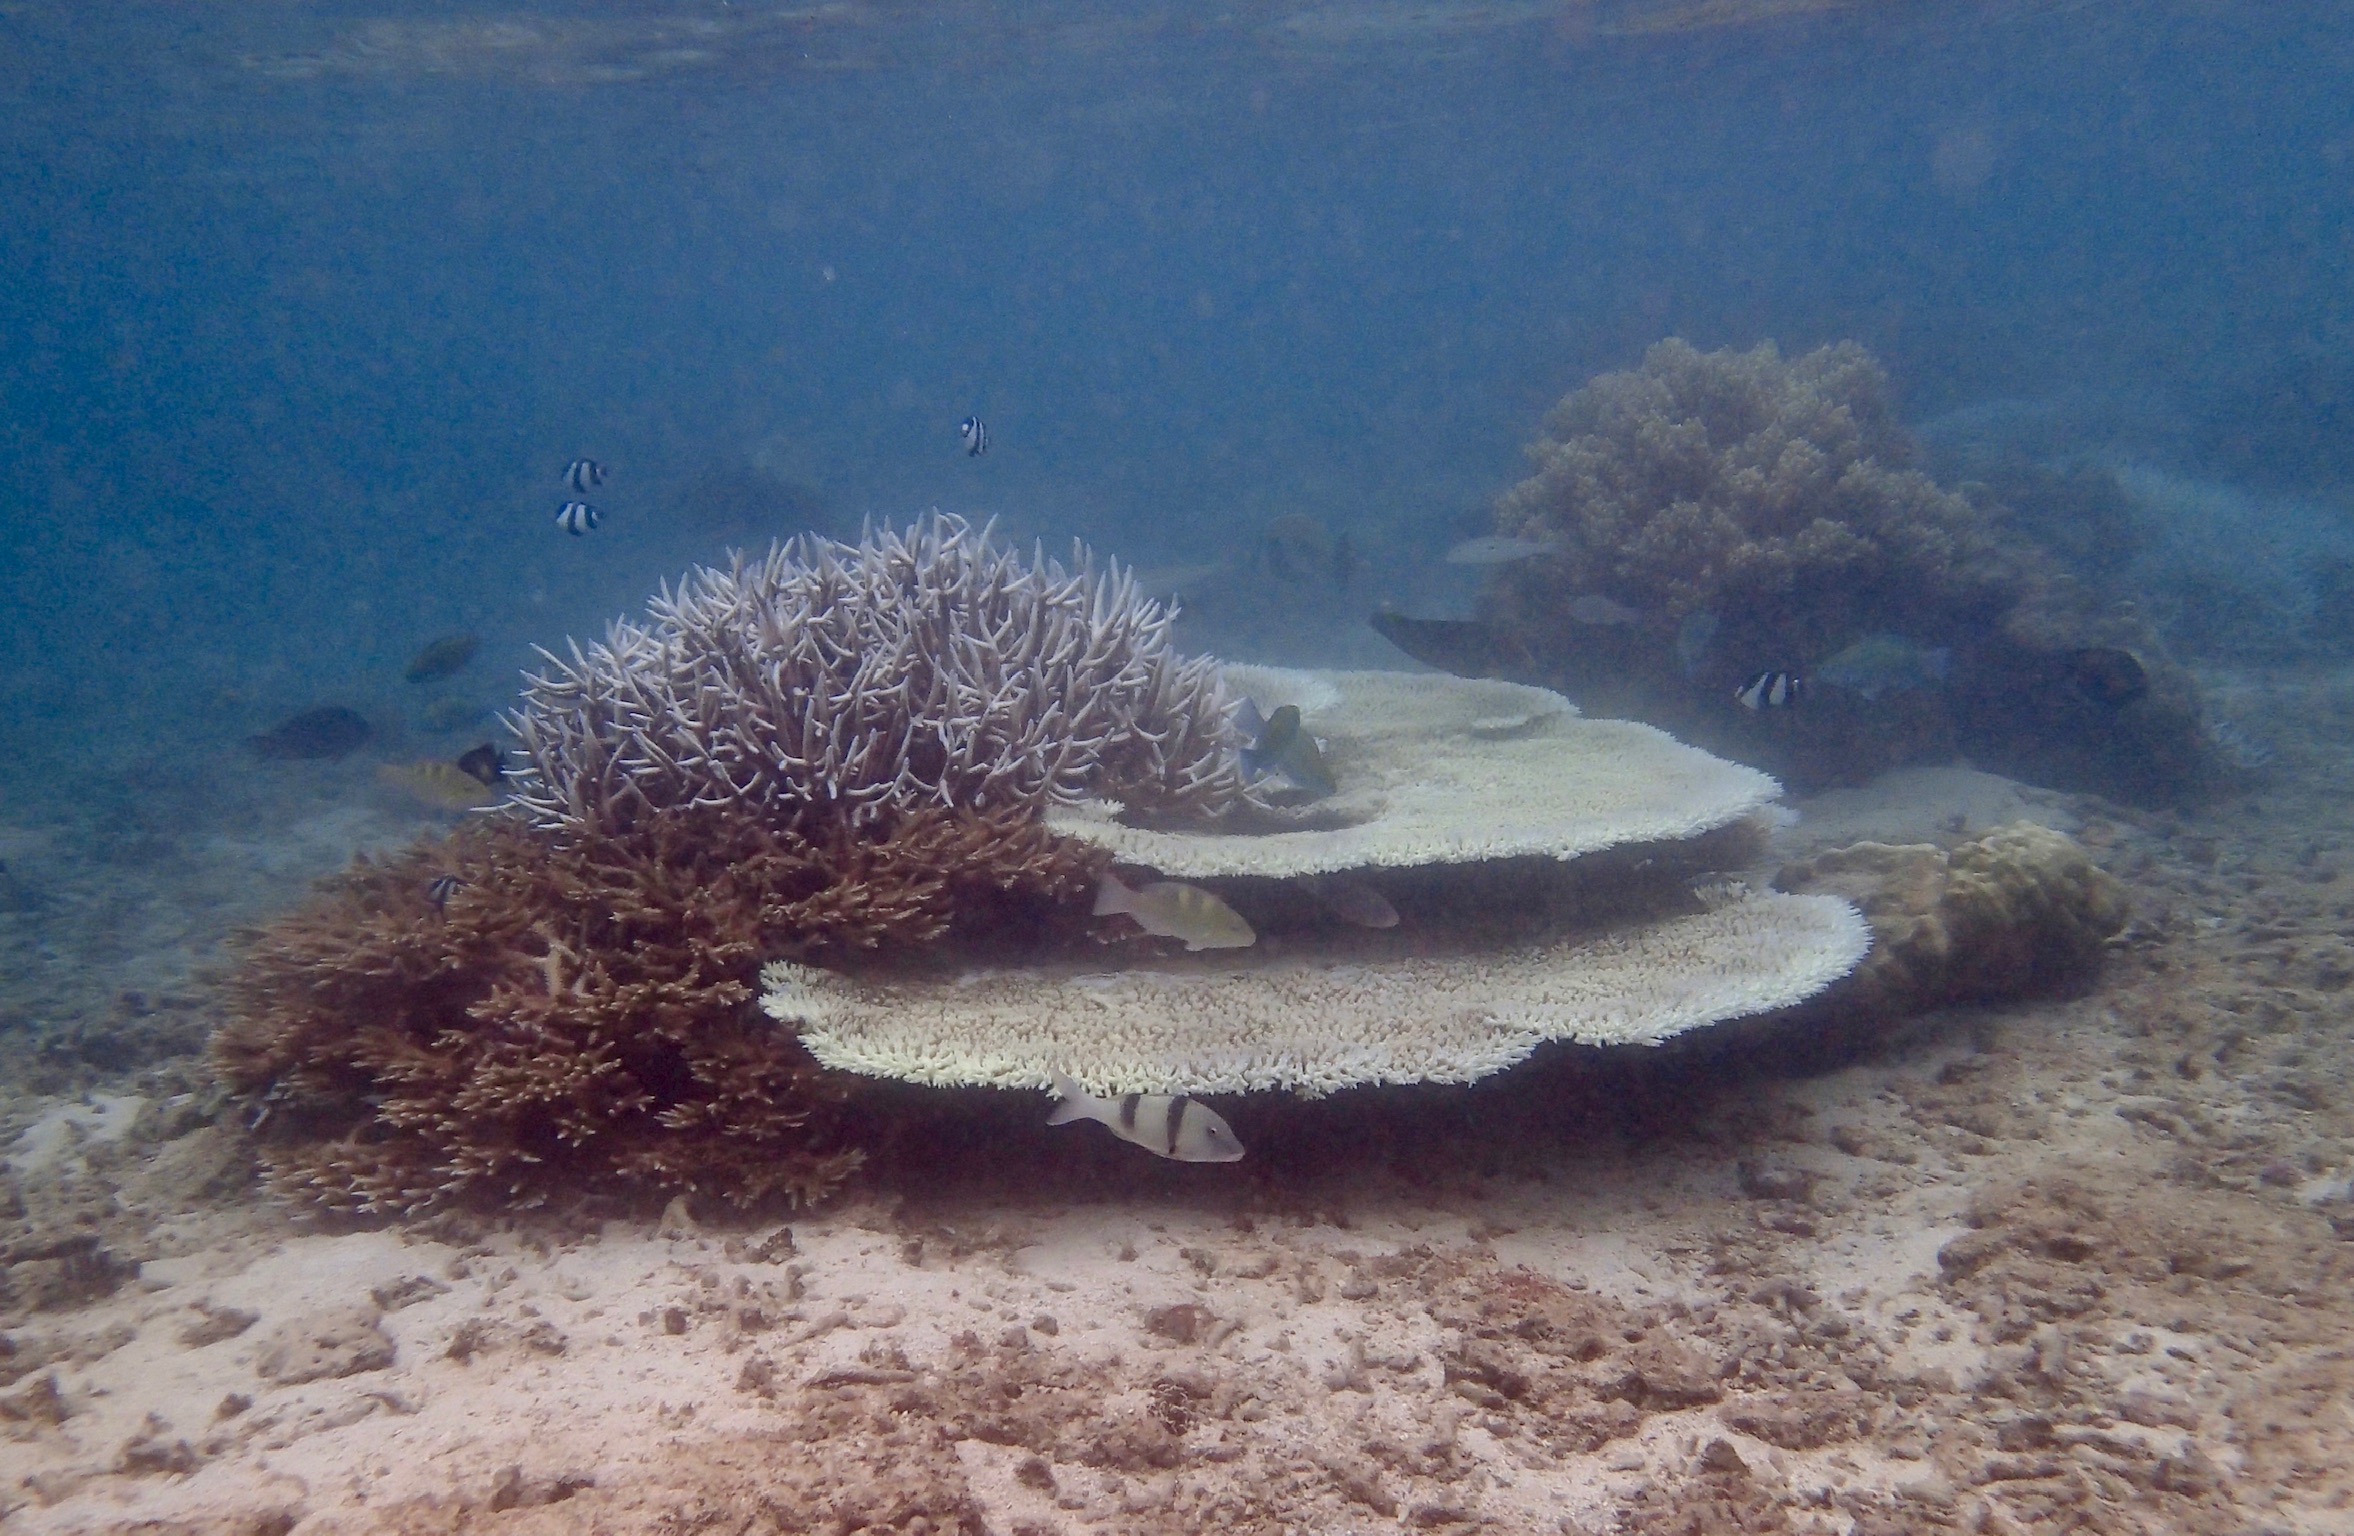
1758	512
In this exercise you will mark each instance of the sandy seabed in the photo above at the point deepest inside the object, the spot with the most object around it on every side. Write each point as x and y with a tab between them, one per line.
2068	1264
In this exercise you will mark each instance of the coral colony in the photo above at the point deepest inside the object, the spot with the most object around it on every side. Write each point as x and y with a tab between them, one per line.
837	752
837	777
929	669
1757	517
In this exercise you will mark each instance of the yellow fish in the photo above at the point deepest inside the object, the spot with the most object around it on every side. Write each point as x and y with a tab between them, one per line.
1170	910
443	786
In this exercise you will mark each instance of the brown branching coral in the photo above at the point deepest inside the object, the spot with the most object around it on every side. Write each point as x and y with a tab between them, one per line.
913	670
1723	480
573	1015
1756	512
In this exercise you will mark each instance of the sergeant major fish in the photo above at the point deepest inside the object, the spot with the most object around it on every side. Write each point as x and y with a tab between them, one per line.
1168	909
1174	1127
1769	690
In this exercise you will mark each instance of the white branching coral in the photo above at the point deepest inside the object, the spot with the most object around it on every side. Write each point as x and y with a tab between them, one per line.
931	668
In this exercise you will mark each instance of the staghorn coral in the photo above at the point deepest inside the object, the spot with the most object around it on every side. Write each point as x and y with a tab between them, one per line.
913	670
574	1015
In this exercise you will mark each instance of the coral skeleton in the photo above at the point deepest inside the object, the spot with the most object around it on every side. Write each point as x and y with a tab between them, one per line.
925	669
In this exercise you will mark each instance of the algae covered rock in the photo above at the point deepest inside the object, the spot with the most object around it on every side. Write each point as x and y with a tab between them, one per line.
2021	910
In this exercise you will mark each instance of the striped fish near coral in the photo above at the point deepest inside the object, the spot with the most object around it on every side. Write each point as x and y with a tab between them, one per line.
442	786
1174	1126
1170	909
441	658
486	763
1770	690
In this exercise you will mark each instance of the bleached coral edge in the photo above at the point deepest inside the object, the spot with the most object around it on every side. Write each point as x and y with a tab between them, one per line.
1312	1027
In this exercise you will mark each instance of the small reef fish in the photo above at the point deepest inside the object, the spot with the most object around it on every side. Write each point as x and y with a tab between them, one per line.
1169	909
451	713
1175	1127
1354	900
1465	647
1594	608
485	764
329	731
1497	549
1770	690
1280	744
443	786
975	433
442	657
577	517
584	476
1692	641
440	889
1879	664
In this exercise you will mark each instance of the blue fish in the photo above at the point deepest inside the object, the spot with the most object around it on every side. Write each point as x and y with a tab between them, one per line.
1879	664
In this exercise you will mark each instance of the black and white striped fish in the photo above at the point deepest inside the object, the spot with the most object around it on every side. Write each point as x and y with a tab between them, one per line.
440	889
584	475
1176	1127
577	517
975	433
1769	690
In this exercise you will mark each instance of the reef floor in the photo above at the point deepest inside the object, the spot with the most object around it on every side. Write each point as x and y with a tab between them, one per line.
2079	1263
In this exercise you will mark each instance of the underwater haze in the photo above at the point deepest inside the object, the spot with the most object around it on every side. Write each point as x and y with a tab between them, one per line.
309	305
1724	908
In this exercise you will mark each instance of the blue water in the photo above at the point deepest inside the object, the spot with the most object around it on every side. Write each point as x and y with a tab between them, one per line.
306	306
